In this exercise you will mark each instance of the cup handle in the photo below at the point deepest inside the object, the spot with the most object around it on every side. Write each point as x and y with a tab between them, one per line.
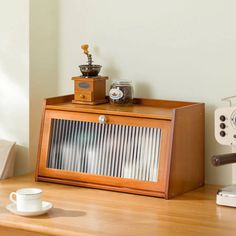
11	197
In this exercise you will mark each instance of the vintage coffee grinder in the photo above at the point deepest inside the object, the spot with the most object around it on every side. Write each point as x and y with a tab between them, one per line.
89	88
225	133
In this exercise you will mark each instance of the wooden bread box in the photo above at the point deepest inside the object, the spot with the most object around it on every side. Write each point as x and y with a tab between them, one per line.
153	147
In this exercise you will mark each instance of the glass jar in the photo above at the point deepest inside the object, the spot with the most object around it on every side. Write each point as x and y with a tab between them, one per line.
121	92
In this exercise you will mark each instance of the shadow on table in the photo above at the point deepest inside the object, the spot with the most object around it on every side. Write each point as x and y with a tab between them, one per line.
59	212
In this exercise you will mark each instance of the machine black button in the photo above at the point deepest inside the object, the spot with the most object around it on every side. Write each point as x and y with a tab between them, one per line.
222	125
222	133
222	118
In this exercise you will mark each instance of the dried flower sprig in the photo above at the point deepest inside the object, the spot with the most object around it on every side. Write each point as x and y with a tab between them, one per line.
85	49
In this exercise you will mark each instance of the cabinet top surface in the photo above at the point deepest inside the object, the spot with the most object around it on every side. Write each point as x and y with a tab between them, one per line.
148	108
84	211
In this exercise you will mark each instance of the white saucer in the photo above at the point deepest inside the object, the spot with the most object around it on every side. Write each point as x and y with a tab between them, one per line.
46	206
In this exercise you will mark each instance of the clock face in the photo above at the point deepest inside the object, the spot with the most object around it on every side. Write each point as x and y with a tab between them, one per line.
83	85
233	119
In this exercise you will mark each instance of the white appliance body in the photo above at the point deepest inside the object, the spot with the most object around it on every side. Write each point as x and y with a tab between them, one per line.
225	134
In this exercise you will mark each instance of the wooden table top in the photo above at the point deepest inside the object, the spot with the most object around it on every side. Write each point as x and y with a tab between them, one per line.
84	211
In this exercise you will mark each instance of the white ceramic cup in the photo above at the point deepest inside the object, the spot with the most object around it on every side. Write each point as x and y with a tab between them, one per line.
27	199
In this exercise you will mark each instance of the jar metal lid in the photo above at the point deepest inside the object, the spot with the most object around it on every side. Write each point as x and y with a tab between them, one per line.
122	82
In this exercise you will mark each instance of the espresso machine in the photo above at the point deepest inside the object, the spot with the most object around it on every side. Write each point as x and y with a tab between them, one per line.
225	134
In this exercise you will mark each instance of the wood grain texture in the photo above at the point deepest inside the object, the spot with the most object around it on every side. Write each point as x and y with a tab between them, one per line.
89	212
83	178
181	165
149	108
102	186
94	93
60	99
6	231
187	162
137	101
40	139
108	109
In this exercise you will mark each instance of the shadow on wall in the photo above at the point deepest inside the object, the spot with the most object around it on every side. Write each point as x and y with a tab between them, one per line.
14	62
142	90
22	162
44	46
111	70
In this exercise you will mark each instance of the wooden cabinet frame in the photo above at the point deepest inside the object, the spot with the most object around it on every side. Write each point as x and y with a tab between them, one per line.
173	118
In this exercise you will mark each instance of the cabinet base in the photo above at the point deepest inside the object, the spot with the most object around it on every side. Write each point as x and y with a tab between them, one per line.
90	103
103	187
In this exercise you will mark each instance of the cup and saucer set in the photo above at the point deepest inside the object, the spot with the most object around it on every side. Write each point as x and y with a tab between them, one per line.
28	202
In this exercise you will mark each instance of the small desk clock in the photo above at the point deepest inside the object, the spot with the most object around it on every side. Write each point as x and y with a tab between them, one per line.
89	88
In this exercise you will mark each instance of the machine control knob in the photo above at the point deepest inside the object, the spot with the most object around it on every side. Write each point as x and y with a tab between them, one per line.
222	133
222	118
102	119
222	125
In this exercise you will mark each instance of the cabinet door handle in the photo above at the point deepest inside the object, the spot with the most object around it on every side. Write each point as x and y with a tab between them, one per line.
102	119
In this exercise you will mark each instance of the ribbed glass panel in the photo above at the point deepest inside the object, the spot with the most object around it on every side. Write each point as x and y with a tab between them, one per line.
105	149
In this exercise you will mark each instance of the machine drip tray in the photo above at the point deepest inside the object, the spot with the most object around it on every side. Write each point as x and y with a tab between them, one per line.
227	196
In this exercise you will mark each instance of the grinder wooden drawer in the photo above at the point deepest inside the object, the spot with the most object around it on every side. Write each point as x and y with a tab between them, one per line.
81	95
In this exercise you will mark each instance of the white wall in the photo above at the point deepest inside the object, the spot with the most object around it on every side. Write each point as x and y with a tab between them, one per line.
14	77
43	63
183	50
